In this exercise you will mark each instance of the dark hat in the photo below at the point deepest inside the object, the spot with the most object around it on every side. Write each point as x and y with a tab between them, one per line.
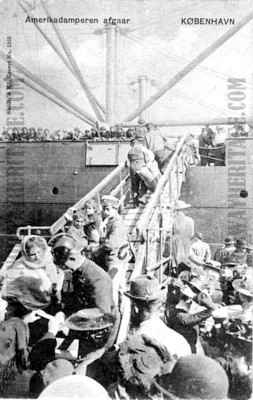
27	291
230	264
62	244
141	121
229	240
62	240
144	288
199	377
89	319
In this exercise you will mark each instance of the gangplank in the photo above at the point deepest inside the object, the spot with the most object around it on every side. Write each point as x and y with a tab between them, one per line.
147	235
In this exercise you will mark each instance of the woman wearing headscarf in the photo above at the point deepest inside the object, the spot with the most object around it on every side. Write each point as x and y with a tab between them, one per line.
36	261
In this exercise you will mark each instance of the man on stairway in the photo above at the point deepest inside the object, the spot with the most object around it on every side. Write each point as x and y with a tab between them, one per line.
112	253
144	171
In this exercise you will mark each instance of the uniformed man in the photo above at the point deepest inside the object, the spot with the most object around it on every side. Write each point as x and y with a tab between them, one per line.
223	255
240	253
76	229
112	252
144	171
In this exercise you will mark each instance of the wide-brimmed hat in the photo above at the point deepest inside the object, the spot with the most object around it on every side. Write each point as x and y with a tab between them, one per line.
89	319
179	205
108	200
27	291
144	288
243	286
230	264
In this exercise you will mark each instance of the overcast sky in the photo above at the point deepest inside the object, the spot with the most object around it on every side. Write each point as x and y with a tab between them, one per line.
155	43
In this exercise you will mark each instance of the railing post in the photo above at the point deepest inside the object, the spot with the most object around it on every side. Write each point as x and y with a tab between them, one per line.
160	248
147	249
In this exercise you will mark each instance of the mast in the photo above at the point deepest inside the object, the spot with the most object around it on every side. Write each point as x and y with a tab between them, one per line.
110	73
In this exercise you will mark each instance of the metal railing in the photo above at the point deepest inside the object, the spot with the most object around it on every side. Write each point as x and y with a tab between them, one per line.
151	233
113	183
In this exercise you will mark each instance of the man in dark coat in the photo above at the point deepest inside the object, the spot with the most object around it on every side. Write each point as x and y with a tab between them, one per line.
92	286
185	318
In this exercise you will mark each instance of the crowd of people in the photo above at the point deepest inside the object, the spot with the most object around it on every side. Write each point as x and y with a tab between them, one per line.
190	333
102	132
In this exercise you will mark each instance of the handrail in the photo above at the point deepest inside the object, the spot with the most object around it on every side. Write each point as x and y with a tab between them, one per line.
32	230
59	224
144	220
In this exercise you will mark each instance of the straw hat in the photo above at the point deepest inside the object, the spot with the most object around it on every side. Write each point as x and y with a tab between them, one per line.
180	205
243	286
76	387
89	319
28	292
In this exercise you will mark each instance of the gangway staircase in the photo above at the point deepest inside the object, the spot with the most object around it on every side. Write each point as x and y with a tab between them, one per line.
148	225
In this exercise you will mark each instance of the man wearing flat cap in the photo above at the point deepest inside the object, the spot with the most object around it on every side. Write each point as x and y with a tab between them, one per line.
113	248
